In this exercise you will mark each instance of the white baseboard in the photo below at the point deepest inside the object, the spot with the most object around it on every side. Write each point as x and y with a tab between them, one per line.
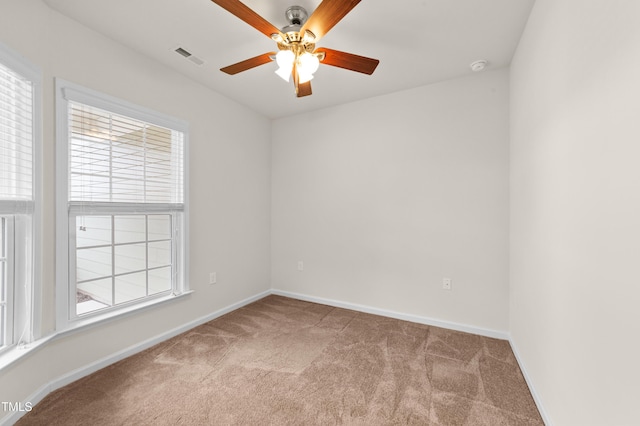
78	373
397	315
527	379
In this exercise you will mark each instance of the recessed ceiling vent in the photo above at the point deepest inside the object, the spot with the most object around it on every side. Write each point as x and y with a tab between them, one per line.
184	52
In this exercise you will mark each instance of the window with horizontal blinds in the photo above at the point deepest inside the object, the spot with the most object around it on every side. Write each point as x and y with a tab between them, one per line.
118	159
121	206
20	84
16	141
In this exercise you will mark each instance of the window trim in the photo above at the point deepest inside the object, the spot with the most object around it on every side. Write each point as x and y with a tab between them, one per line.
27	325
6	236
65	92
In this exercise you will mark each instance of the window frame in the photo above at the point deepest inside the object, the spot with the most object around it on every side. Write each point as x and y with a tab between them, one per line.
24	226
7	284
67	317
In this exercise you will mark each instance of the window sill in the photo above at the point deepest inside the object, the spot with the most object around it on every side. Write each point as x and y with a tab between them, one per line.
15	353
84	323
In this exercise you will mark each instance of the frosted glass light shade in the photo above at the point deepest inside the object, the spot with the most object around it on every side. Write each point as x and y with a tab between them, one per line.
284	73
284	59
308	64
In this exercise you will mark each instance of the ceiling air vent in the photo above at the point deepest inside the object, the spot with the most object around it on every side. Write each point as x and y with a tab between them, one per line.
183	52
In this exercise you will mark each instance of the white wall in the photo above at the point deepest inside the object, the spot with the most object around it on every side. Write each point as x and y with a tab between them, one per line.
575	209
384	197
229	167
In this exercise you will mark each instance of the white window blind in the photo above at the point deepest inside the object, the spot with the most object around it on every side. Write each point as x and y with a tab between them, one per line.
16	141
118	159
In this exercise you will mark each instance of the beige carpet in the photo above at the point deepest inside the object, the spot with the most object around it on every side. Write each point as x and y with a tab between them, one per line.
281	361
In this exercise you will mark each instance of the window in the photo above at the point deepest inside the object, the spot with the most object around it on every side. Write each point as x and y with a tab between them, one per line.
121	206
19	157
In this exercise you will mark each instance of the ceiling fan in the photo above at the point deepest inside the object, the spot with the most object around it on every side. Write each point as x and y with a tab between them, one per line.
297	55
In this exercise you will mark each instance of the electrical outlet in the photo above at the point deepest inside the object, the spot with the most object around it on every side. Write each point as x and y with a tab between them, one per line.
300	265
446	283
213	277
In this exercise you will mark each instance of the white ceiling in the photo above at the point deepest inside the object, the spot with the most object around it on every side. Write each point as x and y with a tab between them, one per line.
418	42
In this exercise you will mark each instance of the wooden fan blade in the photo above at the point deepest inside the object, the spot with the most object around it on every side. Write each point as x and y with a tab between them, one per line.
304	89
248	63
348	61
326	15
243	12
